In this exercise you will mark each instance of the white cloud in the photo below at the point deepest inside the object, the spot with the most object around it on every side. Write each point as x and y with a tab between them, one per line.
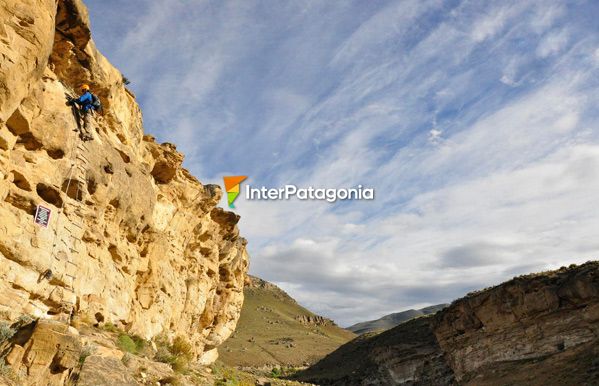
596	56
489	25
434	136
460	237
356	93
553	43
390	22
546	15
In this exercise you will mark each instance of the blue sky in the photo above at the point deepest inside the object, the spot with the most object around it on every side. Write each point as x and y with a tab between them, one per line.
476	123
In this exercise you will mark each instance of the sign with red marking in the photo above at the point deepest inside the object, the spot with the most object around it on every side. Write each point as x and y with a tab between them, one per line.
42	216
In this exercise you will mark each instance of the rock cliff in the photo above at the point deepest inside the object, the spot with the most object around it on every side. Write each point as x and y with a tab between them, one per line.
133	238
540	329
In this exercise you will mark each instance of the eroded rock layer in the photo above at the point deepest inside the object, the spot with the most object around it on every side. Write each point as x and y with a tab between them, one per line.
540	329
133	238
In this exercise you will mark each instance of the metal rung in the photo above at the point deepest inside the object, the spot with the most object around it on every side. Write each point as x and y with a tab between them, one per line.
73	250
80	226
77	204
83	158
69	275
72	263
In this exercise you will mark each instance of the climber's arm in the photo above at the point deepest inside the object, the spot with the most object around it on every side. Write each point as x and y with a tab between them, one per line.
87	97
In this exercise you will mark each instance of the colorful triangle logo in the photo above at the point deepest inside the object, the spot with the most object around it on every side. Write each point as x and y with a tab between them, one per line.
232	188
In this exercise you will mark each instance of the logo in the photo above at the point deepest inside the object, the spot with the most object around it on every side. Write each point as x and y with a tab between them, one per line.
232	188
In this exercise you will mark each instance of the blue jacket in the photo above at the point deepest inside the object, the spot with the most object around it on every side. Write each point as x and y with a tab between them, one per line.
85	101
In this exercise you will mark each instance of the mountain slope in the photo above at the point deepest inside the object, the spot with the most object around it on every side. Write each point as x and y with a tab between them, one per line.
540	329
392	320
274	330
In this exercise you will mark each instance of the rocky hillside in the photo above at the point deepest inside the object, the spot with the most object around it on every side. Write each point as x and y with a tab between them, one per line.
392	320
275	331
540	329
133	239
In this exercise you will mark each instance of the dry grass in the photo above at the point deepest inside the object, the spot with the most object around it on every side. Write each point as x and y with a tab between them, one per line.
268	333
178	354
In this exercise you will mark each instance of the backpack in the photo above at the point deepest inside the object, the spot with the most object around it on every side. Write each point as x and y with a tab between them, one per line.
96	104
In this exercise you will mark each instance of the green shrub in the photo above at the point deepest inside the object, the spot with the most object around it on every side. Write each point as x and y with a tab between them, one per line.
25	319
276	372
8	372
178	354
140	343
181	347
86	351
164	356
130	343
180	364
6	332
108	326
5	370
125	343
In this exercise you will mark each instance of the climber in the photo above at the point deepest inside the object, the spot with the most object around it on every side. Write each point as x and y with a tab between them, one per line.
87	103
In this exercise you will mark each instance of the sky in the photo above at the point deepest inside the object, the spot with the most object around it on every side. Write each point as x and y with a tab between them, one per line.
475	123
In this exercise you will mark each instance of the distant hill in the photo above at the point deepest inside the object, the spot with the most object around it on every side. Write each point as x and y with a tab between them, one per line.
392	320
275	330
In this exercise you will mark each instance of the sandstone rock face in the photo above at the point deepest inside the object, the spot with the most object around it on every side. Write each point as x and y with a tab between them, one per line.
133	238
46	352
526	318
533	330
100	371
314	320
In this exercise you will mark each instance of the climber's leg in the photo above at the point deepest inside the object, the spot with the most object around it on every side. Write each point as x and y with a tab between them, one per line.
77	115
86	133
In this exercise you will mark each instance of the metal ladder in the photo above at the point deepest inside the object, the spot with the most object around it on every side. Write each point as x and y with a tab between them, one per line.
70	239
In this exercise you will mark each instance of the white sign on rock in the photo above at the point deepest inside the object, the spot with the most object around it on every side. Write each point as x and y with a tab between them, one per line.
42	216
